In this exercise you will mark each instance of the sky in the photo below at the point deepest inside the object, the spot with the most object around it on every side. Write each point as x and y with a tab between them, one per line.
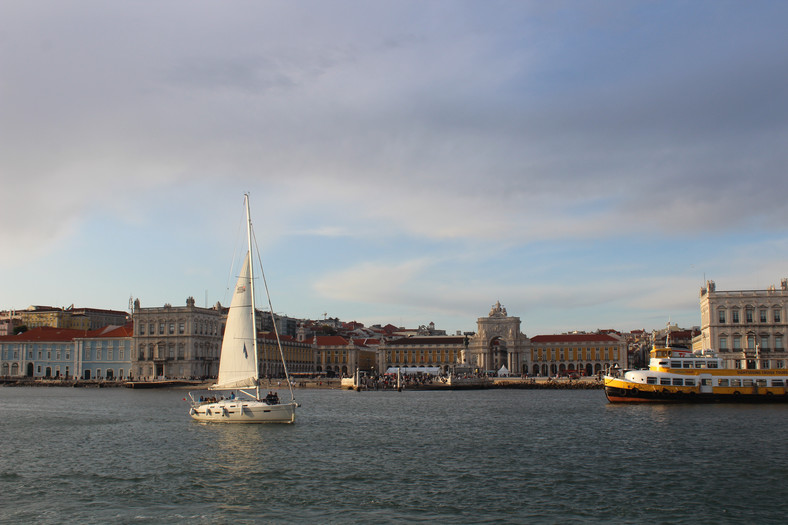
587	164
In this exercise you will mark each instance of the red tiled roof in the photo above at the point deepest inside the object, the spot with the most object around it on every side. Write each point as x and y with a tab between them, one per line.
45	333
331	340
434	340
574	338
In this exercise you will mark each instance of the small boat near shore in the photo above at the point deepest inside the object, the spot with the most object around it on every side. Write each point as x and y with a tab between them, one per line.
681	375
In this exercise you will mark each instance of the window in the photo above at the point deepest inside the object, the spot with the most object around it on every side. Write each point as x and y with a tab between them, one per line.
161	328
735	382
723	344
705	382
142	329
778	382
751	342
677	381
776	316
181	327
724	382
172	328
151	328
763	315
764	338
748	315
737	342
651	380
721	314
735	316
689	382
664	381
778	342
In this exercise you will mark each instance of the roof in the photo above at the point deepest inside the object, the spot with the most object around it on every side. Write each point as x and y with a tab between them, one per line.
44	334
429	340
330	340
574	338
51	334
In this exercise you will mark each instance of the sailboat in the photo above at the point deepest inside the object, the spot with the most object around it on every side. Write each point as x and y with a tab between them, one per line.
238	362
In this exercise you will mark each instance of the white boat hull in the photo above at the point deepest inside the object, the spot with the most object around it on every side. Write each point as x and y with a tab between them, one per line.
241	411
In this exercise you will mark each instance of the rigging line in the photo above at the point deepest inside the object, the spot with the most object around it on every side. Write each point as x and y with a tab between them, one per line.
273	318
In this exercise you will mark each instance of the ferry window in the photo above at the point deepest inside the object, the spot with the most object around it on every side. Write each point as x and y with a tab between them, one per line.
778	382
677	381
664	381
748	382
651	380
699	364
689	382
705	382
724	382
675	364
687	364
735	382
711	364
760	382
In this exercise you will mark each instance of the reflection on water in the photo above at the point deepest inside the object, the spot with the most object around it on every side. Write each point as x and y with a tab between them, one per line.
493	456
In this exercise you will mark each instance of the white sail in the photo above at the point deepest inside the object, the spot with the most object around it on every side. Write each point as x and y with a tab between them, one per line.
238	362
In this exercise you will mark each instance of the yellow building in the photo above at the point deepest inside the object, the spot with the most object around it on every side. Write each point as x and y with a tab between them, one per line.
581	354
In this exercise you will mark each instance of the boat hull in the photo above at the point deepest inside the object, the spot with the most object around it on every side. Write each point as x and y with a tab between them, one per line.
623	393
235	411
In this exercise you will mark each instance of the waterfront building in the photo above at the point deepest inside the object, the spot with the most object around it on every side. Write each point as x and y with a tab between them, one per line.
422	351
301	357
340	356
63	353
104	353
746	327
579	353
176	342
498	342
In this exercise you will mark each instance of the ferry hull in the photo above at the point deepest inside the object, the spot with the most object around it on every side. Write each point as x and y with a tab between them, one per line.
243	412
667	395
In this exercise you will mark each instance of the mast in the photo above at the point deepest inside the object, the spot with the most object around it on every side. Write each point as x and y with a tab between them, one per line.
251	283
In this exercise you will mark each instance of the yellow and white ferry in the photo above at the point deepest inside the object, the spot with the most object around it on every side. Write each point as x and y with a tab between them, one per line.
680	375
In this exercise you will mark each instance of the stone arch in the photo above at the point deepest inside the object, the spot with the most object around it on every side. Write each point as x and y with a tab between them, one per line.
589	369
30	369
499	353
536	370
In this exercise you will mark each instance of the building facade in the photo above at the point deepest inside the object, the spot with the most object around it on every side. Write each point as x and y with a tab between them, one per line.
62	353
498	342
746	327
176	342
581	354
439	351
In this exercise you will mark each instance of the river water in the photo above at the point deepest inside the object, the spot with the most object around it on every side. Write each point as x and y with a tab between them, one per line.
70	455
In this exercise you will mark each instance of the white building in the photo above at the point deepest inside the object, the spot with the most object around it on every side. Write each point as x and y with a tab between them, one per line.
746	327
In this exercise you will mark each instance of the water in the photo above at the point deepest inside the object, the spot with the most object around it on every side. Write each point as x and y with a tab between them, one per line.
494	456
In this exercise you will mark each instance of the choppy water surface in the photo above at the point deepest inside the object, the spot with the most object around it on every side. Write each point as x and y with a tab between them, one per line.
494	456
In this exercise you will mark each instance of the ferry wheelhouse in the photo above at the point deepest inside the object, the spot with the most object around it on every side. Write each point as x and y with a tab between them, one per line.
680	375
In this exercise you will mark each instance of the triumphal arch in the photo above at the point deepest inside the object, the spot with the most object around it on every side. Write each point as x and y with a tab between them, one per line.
498	342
